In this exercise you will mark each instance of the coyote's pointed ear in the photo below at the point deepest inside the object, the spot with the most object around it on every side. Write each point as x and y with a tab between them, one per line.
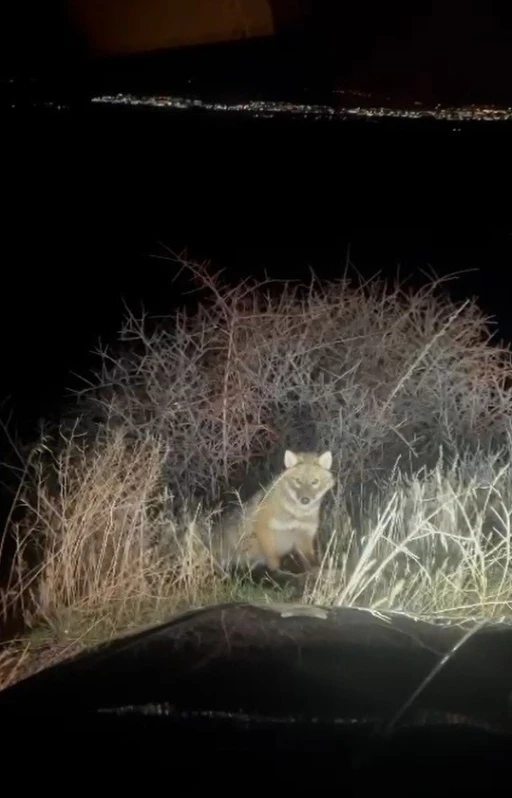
290	459
325	461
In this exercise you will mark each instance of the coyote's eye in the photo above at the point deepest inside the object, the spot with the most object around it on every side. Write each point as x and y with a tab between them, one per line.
297	481
314	482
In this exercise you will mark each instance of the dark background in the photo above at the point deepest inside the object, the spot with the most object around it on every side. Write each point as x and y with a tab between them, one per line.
89	193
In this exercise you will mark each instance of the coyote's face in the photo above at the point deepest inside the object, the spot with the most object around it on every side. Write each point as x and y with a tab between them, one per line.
307	477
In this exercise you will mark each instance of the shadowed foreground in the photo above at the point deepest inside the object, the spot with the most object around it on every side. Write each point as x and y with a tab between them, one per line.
377	691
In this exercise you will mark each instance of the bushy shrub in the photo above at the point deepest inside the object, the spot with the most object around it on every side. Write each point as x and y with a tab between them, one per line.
405	387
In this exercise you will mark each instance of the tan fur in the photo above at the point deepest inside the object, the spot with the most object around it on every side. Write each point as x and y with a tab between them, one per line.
275	522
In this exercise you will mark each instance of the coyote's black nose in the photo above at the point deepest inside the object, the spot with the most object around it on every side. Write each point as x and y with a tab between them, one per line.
305	500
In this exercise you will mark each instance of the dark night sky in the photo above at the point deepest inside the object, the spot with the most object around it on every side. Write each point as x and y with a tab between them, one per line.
429	49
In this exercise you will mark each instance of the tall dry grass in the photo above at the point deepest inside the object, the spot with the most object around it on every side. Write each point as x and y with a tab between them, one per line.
437	545
93	550
406	388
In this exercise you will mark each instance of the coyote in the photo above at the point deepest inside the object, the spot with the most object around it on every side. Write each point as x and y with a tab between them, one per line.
280	519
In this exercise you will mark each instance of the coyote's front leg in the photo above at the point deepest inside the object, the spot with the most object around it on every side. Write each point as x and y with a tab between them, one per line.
306	550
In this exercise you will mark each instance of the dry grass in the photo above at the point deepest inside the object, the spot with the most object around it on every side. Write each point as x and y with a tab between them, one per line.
106	553
406	389
438	545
